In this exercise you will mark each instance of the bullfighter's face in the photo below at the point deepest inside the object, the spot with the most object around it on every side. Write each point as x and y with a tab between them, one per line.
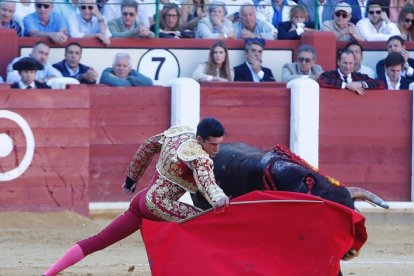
210	145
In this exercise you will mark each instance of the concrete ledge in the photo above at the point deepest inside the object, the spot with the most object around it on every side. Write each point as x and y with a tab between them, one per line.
112	208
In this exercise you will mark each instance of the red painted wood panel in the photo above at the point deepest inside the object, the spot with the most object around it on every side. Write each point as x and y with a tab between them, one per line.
258	116
58	176
121	119
366	140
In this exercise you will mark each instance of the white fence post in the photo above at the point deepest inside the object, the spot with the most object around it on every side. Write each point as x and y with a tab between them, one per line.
185	102
304	119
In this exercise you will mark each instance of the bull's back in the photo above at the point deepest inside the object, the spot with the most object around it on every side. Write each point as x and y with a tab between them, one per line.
238	169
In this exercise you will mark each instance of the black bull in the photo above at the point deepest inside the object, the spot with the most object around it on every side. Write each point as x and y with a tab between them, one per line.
240	169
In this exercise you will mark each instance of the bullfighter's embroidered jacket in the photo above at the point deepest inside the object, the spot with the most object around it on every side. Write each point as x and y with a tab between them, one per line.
182	166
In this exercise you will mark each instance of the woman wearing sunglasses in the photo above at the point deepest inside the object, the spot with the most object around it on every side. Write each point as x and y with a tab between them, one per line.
341	25
406	22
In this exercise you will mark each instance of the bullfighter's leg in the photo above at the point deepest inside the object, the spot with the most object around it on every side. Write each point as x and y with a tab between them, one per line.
123	226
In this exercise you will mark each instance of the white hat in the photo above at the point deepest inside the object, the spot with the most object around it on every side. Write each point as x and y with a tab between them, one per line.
343	7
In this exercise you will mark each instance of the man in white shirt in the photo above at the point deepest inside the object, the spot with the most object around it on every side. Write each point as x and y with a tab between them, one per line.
357	50
89	22
394	64
377	26
40	52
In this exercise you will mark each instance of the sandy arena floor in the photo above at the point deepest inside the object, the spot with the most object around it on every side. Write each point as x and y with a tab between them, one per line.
30	242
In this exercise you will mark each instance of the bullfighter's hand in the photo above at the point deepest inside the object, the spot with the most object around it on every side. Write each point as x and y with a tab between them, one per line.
222	202
129	190
352	253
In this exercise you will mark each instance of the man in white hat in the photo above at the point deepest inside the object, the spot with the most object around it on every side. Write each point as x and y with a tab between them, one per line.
341	25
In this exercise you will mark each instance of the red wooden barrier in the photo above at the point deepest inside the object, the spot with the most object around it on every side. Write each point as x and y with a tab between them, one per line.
86	136
121	119
58	176
258	116
366	140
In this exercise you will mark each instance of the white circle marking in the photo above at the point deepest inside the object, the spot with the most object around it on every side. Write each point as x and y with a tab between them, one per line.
30	146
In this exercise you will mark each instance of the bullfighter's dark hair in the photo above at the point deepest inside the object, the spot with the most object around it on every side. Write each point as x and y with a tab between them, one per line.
209	127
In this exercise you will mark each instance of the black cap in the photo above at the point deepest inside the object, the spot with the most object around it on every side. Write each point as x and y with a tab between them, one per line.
27	63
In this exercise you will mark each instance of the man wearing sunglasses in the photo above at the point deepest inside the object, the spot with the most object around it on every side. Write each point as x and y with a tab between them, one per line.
127	25
341	25
46	23
89	22
377	26
305	66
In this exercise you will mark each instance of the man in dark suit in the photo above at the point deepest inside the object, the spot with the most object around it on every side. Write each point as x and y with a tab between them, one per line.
252	69
396	44
27	68
345	77
394	64
72	68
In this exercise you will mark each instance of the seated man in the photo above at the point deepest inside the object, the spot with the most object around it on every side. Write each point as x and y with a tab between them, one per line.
394	64
357	50
377	26
122	74
27	68
72	68
250	27
341	25
7	10
345	77
252	69
40	52
396	44
305	66
127	25
45	23
89	22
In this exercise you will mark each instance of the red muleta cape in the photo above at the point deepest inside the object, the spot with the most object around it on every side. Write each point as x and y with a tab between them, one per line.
261	233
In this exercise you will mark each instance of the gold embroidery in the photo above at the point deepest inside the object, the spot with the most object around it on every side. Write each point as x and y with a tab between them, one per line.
162	200
177	130
190	150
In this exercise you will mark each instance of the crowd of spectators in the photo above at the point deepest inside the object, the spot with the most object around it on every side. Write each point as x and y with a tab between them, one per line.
255	21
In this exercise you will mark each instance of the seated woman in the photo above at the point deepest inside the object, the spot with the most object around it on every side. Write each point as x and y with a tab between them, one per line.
395	8
406	22
296	26
217	68
170	18
192	11
216	25
122	74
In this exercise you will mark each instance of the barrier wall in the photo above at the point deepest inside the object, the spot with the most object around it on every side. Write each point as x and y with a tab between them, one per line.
58	175
367	141
85	137
120	120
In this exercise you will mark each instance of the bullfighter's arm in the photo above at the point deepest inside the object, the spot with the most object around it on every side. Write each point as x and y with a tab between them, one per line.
143	157
206	183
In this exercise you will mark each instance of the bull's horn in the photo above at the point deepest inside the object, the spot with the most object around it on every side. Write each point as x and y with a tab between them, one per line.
368	196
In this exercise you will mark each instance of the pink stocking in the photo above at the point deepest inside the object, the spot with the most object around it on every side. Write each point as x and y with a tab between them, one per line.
72	256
